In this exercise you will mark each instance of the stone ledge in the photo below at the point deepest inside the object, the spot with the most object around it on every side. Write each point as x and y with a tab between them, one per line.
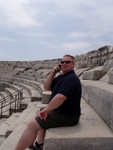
91	133
4	126
16	128
100	96
35	95
93	74
46	96
111	76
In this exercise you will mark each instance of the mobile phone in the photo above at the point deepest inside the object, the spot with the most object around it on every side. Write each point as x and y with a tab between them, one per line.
59	66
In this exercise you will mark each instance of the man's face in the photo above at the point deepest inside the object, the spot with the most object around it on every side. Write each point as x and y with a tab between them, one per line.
67	64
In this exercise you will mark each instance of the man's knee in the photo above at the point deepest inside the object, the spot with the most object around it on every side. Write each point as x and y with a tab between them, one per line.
33	124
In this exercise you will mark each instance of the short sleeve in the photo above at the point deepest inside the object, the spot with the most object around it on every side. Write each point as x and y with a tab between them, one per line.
67	87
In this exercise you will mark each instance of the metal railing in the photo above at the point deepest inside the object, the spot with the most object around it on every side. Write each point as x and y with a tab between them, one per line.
11	102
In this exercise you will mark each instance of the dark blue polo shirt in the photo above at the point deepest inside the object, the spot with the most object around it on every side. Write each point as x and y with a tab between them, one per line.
70	86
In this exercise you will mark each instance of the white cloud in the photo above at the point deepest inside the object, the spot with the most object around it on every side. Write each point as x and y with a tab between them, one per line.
47	44
5	56
75	45
77	35
15	14
36	34
7	39
40	26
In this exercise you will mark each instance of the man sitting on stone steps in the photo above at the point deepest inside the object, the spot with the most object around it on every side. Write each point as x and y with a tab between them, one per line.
63	109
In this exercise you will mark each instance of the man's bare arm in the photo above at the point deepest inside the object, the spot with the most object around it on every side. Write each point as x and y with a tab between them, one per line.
56	102
49	80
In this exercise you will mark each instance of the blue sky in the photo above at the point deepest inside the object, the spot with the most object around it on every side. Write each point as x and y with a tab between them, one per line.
48	29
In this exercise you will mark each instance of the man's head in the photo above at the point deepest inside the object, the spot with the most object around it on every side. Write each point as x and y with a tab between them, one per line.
67	63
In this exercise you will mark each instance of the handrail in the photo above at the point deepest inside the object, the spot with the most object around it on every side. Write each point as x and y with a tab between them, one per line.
13	100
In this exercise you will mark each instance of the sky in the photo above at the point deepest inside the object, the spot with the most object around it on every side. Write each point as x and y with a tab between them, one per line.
48	29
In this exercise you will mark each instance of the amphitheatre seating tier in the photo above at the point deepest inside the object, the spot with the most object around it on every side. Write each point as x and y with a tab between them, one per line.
36	85
4	94
4	126
29	73
35	95
80	71
100	96
8	102
16	124
91	133
6	79
1	96
95	129
9	90
111	76
42	73
105	78
93	74
14	88
11	86
20	120
26	77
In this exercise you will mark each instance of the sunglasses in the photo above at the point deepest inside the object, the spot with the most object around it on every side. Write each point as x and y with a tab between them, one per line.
66	62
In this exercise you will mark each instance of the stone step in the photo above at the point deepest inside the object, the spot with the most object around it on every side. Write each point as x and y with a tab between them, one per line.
9	103
2	120
91	133
5	125
5	105
7	85
46	96
4	94
21	119
35	95
1	137
29	73
1	97
25	116
34	84
9	90
16	128
26	77
100	96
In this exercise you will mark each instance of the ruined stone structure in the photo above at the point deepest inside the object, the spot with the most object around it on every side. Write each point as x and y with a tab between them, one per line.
95	130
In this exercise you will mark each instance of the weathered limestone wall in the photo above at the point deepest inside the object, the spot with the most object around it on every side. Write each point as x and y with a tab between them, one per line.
95	58
90	60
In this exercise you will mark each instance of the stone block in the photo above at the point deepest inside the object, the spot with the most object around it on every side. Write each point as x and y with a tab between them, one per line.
4	126
100	96
45	97
108	64
93	74
91	133
111	76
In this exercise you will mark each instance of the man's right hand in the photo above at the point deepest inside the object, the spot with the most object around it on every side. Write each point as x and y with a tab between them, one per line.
43	114
57	68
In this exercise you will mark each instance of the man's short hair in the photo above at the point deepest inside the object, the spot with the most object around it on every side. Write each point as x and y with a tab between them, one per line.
68	55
